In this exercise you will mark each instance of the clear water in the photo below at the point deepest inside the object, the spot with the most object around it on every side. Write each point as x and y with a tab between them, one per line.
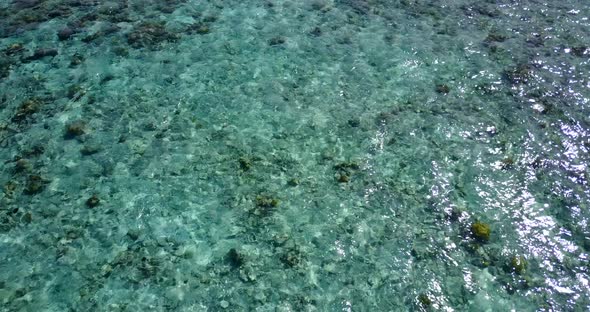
325	155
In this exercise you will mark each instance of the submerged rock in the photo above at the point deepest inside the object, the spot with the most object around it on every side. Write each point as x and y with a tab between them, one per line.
75	129
93	201
41	53
266	201
35	185
235	258
521	74
580	51
481	231
149	35
518	264
65	33
443	89
27	108
277	40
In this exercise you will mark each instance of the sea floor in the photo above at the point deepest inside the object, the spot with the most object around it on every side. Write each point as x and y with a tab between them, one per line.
312	155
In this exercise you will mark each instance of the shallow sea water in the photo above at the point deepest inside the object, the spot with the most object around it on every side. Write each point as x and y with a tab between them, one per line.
321	155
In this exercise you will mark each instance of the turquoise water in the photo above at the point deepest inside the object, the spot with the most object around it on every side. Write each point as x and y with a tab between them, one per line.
321	155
